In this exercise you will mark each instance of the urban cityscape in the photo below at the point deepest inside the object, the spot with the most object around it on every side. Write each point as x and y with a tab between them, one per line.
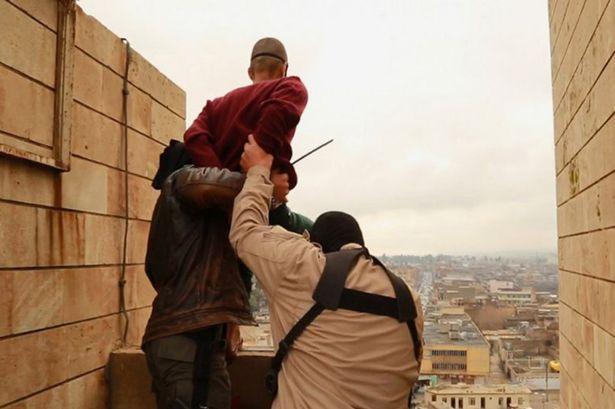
491	330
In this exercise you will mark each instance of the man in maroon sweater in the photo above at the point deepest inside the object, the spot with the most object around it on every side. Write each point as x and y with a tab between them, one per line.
269	109
197	276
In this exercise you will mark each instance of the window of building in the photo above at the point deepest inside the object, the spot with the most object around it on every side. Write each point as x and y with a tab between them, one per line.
472	401
433	398
500	401
520	401
453	403
483	404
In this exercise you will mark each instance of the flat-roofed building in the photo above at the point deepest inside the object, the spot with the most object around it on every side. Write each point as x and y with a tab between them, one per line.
516	296
463	396
454	348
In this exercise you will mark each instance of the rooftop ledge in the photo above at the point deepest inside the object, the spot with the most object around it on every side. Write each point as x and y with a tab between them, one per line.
130	382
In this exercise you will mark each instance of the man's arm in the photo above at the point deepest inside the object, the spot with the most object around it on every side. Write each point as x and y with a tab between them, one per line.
269	252
279	115
199	141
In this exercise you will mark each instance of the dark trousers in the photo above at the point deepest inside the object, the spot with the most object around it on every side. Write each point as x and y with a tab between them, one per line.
175	366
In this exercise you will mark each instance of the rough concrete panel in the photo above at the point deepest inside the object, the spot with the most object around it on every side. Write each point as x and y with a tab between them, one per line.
85	186
35	101
99	42
143	154
17	221
589	254
139	291
137	241
26	182
593	162
566	31
138	321
30	363
6	303
97	86
557	20
593	209
23	37
592	11
604	355
140	111
45	11
147	77
141	198
130	384
104	236
116	201
47	237
88	344
598	53
36	299
96	137
89	292
166	125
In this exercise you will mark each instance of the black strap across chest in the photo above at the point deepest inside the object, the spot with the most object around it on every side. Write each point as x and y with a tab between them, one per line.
331	294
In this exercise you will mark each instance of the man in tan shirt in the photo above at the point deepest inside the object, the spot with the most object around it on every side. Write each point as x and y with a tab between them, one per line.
344	359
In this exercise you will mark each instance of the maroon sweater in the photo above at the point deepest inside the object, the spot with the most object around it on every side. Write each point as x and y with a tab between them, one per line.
270	110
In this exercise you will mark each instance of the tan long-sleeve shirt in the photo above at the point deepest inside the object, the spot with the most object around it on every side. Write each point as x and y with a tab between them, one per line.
344	359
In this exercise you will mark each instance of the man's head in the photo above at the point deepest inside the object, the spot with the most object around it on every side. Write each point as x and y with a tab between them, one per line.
268	60
332	230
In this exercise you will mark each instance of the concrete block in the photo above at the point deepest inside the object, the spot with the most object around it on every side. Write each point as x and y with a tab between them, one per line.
598	53
557	20
6	303
562	42
142	197
17	221
138	232
116	202
130	381
166	125
97	86
140	111
89	292
37	299
31	362
138	321
103	239
45	11
139	291
593	162
35	101
89	391
143	154
96	137
26	182
604	355
99	42
22	37
151	81
60	238
84	187
89	343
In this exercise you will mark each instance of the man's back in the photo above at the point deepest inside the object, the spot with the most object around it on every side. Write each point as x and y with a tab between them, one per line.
343	359
270	110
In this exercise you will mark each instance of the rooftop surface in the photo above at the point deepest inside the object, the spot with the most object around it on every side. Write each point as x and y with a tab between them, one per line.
438	328
463	389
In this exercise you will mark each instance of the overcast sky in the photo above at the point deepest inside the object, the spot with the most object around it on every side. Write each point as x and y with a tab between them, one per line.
440	110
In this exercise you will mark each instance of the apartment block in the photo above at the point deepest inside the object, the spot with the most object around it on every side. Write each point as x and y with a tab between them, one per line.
583	75
63	208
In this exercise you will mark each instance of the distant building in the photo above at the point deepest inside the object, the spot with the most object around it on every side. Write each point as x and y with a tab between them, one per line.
455	349
516	296
477	397
496	285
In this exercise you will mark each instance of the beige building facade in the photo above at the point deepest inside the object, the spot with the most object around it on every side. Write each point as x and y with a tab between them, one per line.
583	75
477	397
62	202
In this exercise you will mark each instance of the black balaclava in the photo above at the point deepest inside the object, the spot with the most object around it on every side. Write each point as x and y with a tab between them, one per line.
332	230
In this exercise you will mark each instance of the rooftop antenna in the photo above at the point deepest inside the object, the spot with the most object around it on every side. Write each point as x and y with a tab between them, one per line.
312	151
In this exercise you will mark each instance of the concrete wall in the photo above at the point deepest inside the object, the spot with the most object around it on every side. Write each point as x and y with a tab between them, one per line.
61	233
583	73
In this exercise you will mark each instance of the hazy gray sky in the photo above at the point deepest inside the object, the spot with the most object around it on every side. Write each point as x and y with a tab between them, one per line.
440	110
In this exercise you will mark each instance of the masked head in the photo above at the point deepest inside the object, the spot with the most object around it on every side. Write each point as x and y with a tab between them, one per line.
332	230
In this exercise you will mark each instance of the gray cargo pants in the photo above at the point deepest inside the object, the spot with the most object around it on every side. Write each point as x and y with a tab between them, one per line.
171	362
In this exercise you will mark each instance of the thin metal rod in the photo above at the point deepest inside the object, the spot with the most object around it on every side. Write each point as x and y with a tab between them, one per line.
312	151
